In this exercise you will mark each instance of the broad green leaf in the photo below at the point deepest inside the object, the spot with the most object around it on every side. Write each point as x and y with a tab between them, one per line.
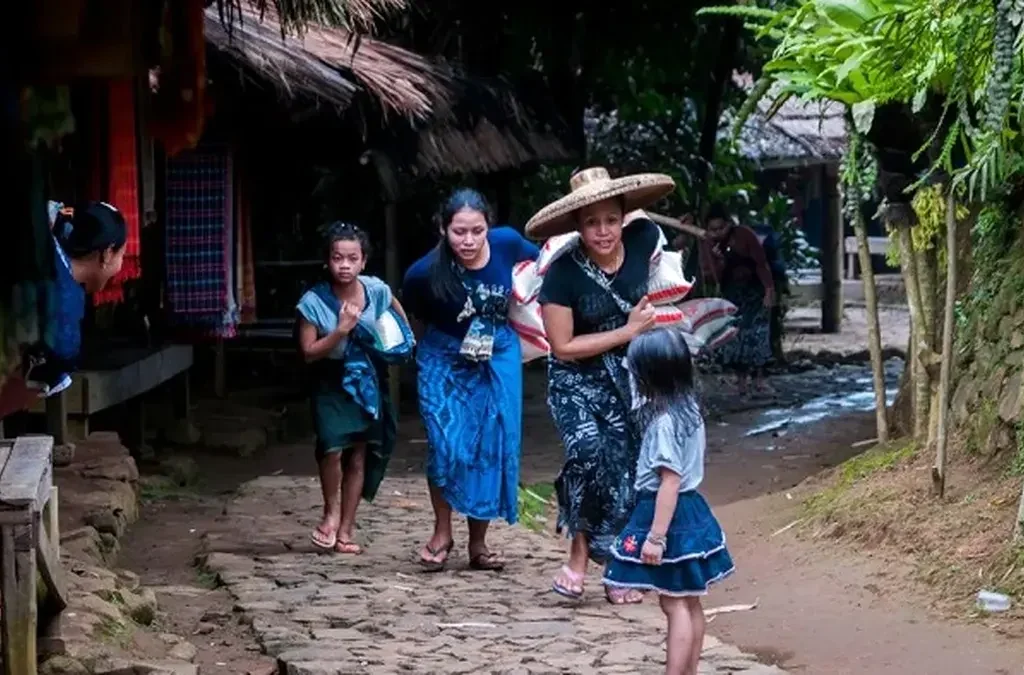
863	115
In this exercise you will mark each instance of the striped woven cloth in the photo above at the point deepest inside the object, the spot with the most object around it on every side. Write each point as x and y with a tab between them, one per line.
198	229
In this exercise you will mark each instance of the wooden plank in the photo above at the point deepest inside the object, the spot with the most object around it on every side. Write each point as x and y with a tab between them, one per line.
48	562
29	465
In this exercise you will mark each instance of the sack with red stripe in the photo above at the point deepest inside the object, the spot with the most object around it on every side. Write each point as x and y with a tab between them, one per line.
701	310
668	284
526	321
526	282
715	332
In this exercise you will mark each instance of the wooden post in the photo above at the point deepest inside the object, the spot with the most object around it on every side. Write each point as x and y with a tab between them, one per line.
831	253
219	370
57	417
390	192
392	275
20	612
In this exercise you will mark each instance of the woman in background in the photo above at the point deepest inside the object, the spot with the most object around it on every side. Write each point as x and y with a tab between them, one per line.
733	257
470	381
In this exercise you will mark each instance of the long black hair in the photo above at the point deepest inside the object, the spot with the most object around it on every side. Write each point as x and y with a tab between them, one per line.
91	228
444	282
341	231
662	370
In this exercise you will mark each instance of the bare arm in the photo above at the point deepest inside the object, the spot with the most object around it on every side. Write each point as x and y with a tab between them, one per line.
313	348
665	502
558	326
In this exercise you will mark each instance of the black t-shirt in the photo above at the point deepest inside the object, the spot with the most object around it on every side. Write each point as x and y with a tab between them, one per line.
593	309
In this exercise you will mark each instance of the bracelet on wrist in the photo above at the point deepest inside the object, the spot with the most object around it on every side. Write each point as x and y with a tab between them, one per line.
656	539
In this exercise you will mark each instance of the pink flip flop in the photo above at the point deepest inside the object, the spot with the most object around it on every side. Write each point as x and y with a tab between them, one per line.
565	592
324	542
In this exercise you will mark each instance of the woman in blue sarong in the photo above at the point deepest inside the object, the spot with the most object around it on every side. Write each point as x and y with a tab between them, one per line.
470	375
340	326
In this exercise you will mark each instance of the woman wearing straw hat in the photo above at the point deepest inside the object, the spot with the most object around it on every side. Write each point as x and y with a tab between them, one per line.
593	303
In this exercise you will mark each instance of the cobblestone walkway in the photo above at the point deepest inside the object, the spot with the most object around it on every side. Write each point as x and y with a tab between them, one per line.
377	613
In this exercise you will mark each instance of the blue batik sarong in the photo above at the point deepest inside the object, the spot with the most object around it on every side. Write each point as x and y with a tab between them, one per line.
472	411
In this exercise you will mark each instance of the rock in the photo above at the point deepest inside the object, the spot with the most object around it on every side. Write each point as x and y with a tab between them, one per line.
964	397
1015	358
994	383
63	455
183	433
89	582
128	580
84	543
1017	339
181	591
1010	402
205	628
244	442
183	471
266	669
183	651
62	665
97	606
114	468
141	607
127	667
1000	439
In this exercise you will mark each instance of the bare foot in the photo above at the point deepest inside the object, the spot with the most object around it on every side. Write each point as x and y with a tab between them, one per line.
623	596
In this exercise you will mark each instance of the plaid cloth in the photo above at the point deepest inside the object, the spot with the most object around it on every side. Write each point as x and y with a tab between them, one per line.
123	183
197	239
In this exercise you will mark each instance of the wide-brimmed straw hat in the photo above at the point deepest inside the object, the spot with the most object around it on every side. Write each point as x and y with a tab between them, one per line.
595	185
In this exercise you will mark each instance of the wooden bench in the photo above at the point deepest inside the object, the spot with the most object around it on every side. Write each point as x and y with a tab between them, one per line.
29	548
876	246
118	376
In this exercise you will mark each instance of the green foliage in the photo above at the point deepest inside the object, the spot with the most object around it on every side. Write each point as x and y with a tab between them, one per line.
965	55
879	458
777	213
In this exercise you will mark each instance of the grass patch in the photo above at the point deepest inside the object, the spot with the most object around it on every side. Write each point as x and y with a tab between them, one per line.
879	458
113	631
207	579
536	505
163	489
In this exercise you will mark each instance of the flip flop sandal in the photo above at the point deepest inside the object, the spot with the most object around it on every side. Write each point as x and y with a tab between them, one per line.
486	562
437	565
324	542
348	548
565	591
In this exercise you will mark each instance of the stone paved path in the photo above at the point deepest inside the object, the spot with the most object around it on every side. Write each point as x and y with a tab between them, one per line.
377	613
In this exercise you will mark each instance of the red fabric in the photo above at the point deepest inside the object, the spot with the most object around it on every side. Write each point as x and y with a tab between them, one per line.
180	106
123	183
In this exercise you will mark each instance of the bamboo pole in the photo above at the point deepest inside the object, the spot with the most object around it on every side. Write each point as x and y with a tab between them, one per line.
942	435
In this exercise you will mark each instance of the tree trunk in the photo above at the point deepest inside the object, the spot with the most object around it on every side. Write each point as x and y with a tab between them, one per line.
942	434
719	78
874	332
919	334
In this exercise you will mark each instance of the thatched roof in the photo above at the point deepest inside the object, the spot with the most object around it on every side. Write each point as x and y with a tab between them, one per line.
457	124
327	66
295	16
798	134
